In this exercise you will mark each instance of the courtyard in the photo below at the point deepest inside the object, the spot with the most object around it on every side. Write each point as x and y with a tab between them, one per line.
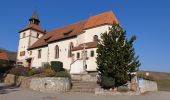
9	93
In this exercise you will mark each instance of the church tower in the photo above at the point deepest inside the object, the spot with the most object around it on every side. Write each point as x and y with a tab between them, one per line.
28	36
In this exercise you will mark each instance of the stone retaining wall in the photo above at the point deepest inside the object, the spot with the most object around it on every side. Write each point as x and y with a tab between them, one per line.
147	85
42	84
21	81
50	84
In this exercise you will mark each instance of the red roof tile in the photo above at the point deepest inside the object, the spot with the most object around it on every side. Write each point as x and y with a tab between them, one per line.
34	27
3	56
88	46
101	19
75	29
68	31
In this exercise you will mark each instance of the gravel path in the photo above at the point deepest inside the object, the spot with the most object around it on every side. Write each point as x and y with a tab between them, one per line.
13	93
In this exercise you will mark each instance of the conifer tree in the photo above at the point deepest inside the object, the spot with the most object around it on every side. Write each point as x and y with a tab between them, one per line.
116	57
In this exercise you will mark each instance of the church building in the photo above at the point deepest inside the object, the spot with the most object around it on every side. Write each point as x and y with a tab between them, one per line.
74	45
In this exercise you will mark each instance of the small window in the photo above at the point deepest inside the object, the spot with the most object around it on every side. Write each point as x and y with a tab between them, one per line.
23	35
37	35
70	48
56	51
39	53
22	53
30	53
95	38
78	55
92	54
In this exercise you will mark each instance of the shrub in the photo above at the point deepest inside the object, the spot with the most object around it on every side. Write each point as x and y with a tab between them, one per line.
107	82
5	66
38	70
63	74
57	66
49	72
31	72
123	89
20	71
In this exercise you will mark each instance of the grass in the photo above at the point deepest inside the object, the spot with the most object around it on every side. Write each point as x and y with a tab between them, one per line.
162	79
163	85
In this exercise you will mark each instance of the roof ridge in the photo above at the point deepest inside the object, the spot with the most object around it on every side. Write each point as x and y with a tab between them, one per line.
68	25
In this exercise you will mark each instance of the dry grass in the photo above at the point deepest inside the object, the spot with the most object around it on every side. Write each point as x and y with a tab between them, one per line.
162	78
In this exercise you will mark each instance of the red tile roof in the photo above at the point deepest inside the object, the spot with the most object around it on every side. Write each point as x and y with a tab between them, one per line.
3	56
58	34
101	19
88	46
106	18
34	27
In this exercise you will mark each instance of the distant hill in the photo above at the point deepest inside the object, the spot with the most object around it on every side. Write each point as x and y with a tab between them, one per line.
162	79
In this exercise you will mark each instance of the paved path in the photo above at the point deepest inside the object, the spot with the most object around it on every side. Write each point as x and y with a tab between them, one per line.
12	93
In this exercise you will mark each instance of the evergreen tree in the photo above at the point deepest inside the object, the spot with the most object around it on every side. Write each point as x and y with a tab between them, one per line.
116	57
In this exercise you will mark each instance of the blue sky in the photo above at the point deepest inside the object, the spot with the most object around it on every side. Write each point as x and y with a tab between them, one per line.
149	20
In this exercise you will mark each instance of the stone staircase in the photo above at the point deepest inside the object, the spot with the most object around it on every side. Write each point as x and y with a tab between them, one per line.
83	86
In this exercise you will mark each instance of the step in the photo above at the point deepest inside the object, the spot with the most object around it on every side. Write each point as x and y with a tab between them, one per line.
83	86
83	90
84	82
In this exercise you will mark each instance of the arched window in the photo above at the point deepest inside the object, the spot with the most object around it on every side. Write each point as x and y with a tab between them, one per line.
57	51
95	38
39	53
70	48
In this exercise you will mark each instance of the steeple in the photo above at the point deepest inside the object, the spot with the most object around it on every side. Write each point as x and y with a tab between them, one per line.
34	19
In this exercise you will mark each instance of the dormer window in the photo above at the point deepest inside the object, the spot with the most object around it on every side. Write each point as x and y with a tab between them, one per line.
67	33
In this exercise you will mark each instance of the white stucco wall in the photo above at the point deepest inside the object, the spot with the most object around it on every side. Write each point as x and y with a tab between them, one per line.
63	52
37	62
88	35
25	43
90	61
33	36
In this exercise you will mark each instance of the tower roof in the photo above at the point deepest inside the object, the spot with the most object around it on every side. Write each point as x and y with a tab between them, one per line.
34	16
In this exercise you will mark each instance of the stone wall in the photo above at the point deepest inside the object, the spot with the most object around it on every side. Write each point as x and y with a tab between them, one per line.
21	81
42	84
147	85
50	84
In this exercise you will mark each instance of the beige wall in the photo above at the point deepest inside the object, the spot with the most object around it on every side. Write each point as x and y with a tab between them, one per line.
90	61
63	52
88	35
37	62
25	43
